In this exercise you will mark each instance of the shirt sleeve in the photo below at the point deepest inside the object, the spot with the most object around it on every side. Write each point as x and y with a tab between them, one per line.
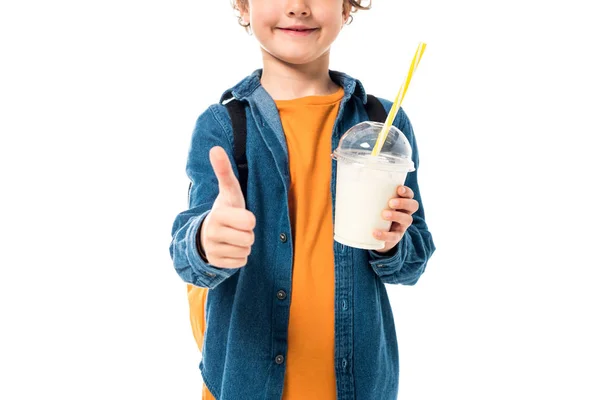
406	262
212	129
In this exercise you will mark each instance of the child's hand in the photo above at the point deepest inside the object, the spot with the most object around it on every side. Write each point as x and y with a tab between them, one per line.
403	207
227	233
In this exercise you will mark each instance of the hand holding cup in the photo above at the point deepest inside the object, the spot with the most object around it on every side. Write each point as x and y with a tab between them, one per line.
402	209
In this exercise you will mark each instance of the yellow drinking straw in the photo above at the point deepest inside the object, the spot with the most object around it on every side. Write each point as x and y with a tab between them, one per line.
398	101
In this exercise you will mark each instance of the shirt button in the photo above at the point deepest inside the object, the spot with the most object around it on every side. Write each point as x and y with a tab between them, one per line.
281	295
344	305
279	359
344	363
283	237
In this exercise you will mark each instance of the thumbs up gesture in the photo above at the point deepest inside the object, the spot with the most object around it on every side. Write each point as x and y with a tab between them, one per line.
227	233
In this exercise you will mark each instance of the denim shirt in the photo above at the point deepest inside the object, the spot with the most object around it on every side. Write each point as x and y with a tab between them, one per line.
244	352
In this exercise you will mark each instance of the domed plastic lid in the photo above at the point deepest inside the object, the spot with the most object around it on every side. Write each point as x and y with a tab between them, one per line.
357	144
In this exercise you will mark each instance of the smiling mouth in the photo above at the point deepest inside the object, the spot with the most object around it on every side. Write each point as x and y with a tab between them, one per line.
298	30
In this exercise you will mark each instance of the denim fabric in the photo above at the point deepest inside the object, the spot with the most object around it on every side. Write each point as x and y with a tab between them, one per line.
246	323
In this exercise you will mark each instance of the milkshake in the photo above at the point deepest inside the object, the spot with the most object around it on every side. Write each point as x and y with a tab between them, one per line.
366	183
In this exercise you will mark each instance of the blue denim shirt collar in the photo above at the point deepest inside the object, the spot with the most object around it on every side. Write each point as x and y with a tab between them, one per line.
264	112
245	88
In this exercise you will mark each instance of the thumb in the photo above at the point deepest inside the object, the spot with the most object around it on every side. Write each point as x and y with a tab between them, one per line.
229	186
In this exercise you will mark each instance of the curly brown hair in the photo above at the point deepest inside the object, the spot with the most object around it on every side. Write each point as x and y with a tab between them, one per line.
352	5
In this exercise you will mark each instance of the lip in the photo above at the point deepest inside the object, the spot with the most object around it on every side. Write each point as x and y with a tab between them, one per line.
298	30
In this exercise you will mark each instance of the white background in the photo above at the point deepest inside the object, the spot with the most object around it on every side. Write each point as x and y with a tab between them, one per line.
98	100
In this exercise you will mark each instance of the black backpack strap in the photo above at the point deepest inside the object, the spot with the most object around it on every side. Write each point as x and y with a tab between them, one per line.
375	109
237	114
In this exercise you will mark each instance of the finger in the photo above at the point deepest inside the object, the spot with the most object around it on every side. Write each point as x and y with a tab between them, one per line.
236	218
405	192
233	237
399	217
225	262
228	183
392	236
223	250
407	205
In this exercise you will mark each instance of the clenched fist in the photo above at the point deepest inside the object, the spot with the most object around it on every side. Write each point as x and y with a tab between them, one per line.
227	233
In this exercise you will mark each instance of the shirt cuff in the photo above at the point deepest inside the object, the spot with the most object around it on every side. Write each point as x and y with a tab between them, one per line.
207	275
384	264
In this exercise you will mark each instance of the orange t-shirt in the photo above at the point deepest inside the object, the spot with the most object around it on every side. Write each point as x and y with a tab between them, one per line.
310	373
308	123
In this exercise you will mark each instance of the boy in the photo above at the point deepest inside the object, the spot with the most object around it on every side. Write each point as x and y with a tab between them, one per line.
279	309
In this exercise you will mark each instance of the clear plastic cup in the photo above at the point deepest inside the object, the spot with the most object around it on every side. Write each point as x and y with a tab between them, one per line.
365	184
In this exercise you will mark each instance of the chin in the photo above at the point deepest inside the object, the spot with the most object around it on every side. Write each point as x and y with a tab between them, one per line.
295	58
